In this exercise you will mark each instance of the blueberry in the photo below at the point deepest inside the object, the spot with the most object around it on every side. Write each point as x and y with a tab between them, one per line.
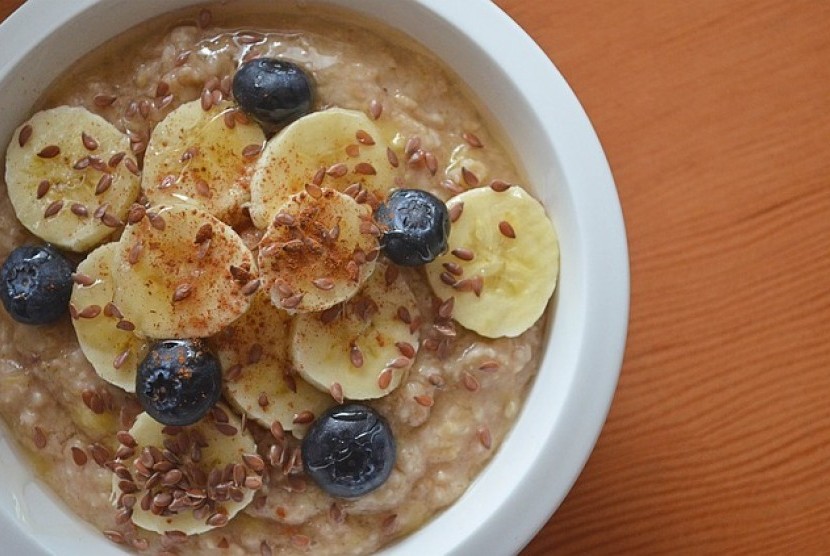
416	225
178	381
349	451
37	283
273	91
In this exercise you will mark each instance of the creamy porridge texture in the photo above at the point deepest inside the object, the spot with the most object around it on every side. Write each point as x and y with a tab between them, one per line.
458	371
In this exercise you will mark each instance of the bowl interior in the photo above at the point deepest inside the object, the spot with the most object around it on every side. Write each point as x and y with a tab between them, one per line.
553	142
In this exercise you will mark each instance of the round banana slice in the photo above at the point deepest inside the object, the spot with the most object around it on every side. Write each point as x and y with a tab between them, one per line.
202	158
71	177
182	273
105	337
188	479
363	348
259	377
502	262
318	250
334	148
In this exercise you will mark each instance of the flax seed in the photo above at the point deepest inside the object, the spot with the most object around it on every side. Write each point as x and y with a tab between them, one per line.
43	188
325	284
251	151
448	278
412	145
506	229
364	138
336	391
125	325
483	433
365	169
352	150
122	357
82	279
337	170
451	186
470	382
182	291
250	288
115	536
375	109
392	158
472	140
25	135
102	101
291	302
132	166
103	184
277	431
156	221
416	160
254	461
355	356
499	186
385	378
369	228
314	190
303	418
469	177
110	220
90	312
463	254
226	429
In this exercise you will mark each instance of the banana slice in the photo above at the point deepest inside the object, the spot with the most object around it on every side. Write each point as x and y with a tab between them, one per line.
502	262
194	157
182	273
363	348
71	177
334	148
318	250
105	337
189	479
259	378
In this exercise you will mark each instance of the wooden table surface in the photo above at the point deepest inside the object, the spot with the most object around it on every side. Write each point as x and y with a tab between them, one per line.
715	117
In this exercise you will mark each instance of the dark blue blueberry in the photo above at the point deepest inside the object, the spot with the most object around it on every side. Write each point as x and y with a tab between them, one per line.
37	283
416	225
349	451
275	92
178	382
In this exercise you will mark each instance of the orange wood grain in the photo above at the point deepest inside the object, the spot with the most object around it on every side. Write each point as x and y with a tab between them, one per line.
715	116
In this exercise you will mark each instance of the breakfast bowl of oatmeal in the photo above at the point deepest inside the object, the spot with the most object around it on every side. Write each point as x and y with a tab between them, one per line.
296	278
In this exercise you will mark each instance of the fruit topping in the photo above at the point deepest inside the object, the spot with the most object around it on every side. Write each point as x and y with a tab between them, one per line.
502	261
349	451
275	92
37	283
415	227
178	381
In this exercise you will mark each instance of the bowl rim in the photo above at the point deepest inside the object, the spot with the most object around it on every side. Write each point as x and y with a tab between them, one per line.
598	274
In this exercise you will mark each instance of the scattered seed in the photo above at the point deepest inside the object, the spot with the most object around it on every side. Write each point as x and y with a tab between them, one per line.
404	315
110	220
506	229
463	253
263	400
431	162
25	135
406	349
50	151
167	182
226	429
469	177
90	312
81	163
204	233
291	302
254	461
448	278
217	520
472	140
182	291
229	119
303	418
98	164
251	151
337	170
78	456
412	145
103	184
144	108
385	378
455	211
375	109
489	366
470	382
234	372
364	168
325	284
125	325
369	228
205	18
250	288
79	210
202	188
499	186
102	101
314	190
39	438
484	436
217	97
364	138
43	188
445	309
99	453
134	254
82	279
89	142
392	157
132	166
115	537
356	356
352	150
451	186
336	391
156	221
416	160
132	109
206	100
189	154
122	357
300	541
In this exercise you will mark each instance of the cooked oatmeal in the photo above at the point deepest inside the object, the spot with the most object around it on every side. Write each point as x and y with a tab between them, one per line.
460	397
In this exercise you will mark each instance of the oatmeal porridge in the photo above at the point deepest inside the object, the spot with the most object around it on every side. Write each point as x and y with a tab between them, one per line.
304	285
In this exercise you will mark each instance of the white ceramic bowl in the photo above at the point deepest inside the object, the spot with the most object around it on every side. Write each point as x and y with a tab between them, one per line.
555	143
